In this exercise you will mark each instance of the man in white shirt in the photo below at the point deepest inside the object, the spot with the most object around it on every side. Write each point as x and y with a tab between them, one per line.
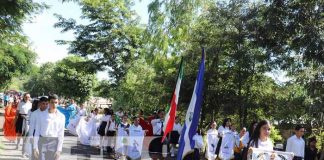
22	110
296	143
49	132
42	104
135	126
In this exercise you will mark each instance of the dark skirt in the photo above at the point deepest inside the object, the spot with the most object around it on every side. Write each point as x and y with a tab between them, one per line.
102	127
174	137
111	133
19	124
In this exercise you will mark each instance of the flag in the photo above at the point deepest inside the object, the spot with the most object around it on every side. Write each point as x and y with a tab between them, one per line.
192	117
170	116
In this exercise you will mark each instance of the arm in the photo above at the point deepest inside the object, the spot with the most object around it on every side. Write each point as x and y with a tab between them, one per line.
37	134
61	135
289	145
31	124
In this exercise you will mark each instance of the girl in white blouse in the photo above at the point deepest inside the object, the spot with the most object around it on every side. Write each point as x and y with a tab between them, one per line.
261	136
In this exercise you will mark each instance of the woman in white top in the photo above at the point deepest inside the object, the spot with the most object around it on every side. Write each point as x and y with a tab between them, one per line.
225	127
261	136
111	133
103	127
212	140
22	111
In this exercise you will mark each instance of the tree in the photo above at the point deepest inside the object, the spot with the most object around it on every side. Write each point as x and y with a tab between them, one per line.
112	38
15	55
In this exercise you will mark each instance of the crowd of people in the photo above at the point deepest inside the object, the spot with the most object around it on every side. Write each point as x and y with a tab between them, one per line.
43	123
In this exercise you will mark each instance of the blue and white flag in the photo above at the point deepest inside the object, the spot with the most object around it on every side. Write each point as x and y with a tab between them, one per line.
192	117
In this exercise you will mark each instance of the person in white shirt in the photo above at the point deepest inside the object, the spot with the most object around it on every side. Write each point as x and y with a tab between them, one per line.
225	127
296	143
120	113
111	133
156	146
174	135
102	127
212	140
135	125
22	111
199	144
49	132
42	104
261	136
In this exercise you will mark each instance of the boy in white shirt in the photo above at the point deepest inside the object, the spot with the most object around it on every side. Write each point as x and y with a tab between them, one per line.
49	132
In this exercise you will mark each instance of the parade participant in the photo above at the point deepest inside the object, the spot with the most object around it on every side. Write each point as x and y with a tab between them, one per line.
102	127
21	115
49	132
87	129
136	125
156	146
9	130
212	140
296	143
174	135
39	107
199	143
311	150
261	136
239	145
76	119
120	112
122	134
111	133
246	138
145	124
225	127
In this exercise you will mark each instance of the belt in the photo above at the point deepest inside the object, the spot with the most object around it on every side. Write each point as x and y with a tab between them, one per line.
298	158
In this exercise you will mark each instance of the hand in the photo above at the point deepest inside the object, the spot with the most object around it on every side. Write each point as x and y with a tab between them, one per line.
57	154
36	153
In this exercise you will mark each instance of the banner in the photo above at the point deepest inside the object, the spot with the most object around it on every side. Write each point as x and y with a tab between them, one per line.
257	154
227	147
121	141
135	144
212	140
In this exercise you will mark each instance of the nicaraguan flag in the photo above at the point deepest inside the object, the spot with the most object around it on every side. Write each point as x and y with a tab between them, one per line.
192	117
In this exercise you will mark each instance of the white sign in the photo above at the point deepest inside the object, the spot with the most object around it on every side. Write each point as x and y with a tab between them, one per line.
135	143
212	141
258	154
226	151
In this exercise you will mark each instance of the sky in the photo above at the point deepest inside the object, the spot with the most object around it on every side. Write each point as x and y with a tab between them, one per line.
42	34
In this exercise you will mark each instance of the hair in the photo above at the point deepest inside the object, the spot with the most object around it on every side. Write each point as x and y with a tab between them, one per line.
159	111
106	111
43	99
53	96
34	105
211	123
24	96
134	117
298	127
256	134
141	111
251	129
311	139
225	121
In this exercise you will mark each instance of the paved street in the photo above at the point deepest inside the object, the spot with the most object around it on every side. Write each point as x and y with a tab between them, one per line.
72	149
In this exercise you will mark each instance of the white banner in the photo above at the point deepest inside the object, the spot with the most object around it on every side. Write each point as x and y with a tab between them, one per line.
227	147
256	154
135	144
121	141
212	141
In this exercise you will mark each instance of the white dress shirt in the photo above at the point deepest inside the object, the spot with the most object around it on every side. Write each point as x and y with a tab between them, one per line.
50	125
199	142
296	145
265	145
24	107
157	126
177	127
